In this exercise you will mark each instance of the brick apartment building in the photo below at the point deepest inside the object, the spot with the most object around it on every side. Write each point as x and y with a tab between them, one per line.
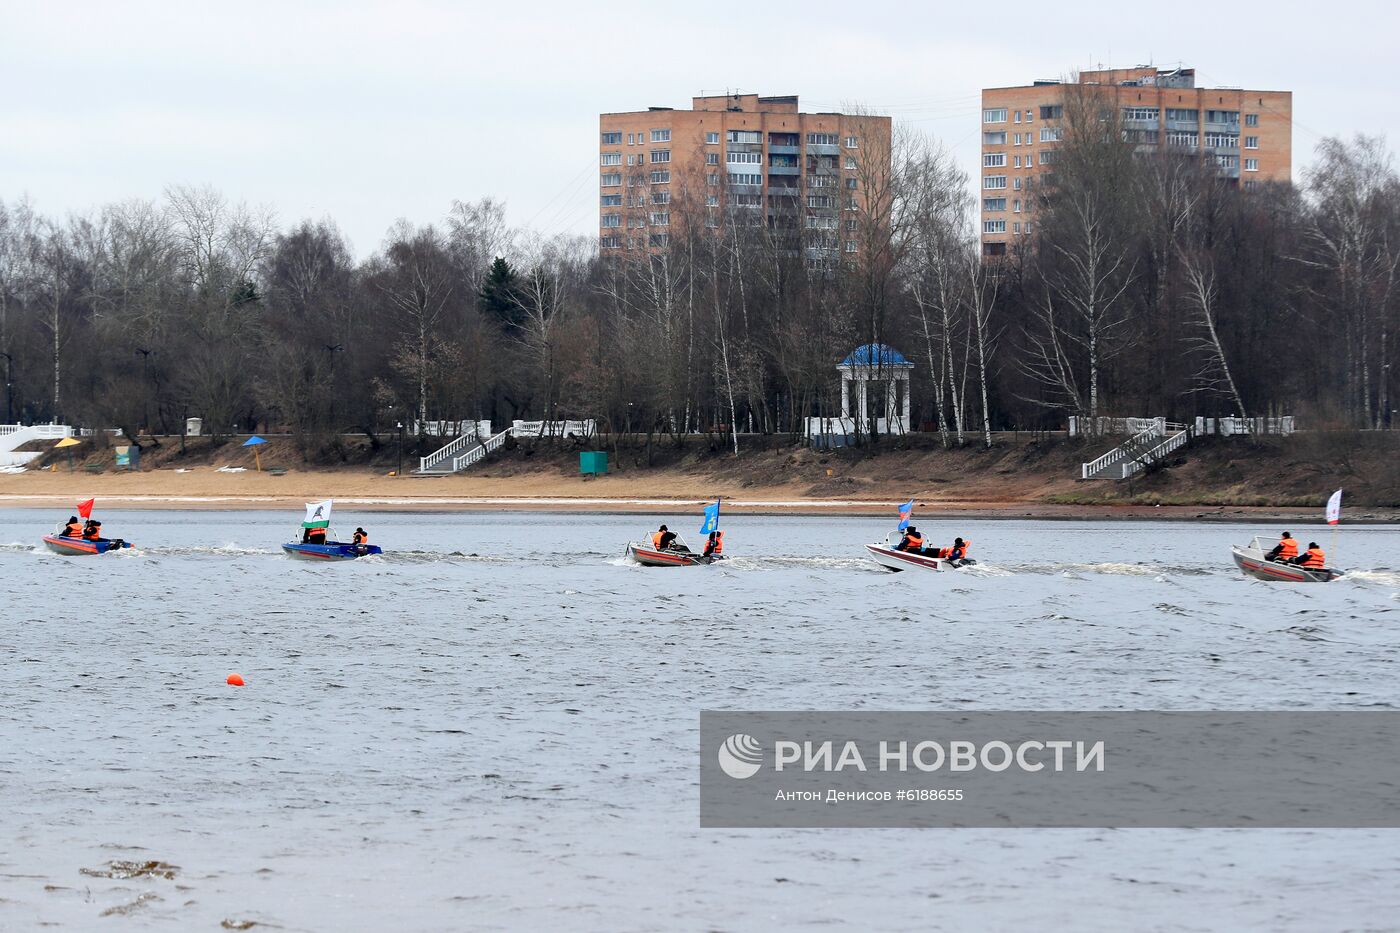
736	158
1248	134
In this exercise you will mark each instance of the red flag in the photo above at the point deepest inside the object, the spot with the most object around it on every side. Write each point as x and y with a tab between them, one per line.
85	508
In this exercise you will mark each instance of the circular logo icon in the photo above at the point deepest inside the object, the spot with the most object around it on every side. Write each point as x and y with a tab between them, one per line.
741	756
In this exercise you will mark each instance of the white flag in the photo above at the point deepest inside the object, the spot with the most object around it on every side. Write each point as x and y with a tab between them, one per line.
1334	508
318	514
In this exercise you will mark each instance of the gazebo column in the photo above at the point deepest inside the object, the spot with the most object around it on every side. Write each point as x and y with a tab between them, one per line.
905	380
845	396
864	405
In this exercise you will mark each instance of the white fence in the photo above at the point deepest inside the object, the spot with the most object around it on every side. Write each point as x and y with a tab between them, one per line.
1227	427
559	429
847	427
1095	427
450	428
17	435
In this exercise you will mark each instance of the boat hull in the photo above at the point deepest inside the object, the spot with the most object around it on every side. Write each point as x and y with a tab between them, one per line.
887	556
650	557
331	550
80	546
1254	565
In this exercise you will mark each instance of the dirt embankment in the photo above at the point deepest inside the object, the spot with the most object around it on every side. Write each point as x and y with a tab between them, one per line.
1019	475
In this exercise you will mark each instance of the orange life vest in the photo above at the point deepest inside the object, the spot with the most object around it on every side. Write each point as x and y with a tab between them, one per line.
73	530
361	537
656	539
915	542
92	533
718	547
967	546
1288	548
1314	558
318	535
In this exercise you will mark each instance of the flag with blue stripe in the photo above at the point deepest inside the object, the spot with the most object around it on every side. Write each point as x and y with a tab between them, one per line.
906	511
711	519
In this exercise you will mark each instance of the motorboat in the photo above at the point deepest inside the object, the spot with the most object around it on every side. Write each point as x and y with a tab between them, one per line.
60	544
331	550
1252	560
886	555
677	555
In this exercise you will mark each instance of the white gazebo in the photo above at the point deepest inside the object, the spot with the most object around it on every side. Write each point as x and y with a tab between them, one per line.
874	394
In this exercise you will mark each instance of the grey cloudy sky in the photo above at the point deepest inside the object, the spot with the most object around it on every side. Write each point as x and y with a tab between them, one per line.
370	111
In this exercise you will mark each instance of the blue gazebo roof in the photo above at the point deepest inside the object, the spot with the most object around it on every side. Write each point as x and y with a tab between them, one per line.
876	355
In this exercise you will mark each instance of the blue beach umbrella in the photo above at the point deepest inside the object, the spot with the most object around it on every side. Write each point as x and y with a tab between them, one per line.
255	442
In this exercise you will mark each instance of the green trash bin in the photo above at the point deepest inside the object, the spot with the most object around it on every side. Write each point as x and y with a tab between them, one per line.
593	462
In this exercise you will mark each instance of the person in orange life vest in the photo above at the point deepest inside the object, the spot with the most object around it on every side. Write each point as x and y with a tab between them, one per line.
314	536
74	528
361	537
957	552
661	539
92	530
912	541
715	546
1314	558
1285	550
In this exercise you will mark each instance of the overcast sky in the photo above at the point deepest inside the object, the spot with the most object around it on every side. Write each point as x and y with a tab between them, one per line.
370	111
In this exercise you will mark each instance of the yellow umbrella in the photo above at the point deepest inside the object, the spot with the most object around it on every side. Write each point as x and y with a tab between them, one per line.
68	442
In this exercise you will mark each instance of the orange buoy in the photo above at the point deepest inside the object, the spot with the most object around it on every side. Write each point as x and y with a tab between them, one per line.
235	680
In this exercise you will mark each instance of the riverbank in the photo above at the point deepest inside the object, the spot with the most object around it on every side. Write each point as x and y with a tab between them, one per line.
1213	479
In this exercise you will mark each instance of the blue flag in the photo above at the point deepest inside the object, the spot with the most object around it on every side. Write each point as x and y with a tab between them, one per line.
906	511
711	519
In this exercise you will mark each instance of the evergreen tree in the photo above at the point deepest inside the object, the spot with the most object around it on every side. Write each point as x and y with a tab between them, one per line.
499	298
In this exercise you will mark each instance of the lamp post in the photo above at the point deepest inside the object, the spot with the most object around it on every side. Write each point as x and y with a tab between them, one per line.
399	472
145	387
9	389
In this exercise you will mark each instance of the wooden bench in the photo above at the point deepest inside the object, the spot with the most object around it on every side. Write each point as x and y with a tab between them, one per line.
95	468
276	471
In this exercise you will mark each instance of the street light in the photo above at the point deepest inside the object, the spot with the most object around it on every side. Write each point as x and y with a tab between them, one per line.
9	389
399	472
145	384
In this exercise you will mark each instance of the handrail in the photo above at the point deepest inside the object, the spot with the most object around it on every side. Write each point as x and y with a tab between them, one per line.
447	450
1156	453
477	454
1117	453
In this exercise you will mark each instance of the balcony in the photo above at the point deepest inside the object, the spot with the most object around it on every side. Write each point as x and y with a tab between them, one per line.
1141	124
822	149
786	191
784	170
785	150
1231	128
1182	126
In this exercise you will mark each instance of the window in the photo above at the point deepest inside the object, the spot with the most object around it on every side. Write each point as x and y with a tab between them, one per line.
743	158
1183	116
1251	119
994	204
996	139
1051	112
852	142
661	136
1016	183
712	158
820	200
612	220
1017	163
1030	159
821	223
822	139
1028	228
1029	118
1251	165
852	225
659	218
1016	206
850	164
819	181
1051	134
1016	229
1183	140
1222	116
1251	142
612	200
660	155
994	160
850	184
744	178
712	200
661	197
662	177
748	200
1228	162
850	246
612	139
611	179
1048	157
1251	185
630	139
744	136
631	159
1140	113
712	180
993	226
1016	117
852	204
612	158
991	182
610	242
1222	141
659	239
994	115
711	139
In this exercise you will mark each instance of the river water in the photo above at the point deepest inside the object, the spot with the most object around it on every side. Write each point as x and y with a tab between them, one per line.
494	727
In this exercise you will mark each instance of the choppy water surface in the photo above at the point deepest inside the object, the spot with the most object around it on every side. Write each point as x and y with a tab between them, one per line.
494	727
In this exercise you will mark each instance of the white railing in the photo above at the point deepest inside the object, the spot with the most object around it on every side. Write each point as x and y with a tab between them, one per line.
1093	427
584	429
447	452
1089	470
17	435
1175	442
477	454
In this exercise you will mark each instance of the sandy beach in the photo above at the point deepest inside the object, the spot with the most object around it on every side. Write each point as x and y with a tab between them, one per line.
663	492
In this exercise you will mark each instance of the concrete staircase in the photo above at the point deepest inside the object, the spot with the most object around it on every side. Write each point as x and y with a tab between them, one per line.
1138	452
17	435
